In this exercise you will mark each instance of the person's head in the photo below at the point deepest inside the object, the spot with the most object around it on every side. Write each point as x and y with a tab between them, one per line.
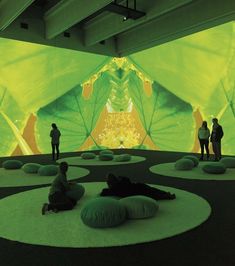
204	124
111	180
215	121
54	126
64	167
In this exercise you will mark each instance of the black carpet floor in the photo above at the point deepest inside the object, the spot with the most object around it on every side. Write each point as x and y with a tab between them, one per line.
210	244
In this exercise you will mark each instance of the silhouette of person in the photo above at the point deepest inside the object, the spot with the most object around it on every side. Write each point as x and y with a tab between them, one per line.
203	137
216	136
55	141
58	200
121	186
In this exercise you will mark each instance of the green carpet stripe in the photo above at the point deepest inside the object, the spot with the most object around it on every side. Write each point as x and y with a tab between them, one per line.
97	162
18	178
21	220
168	169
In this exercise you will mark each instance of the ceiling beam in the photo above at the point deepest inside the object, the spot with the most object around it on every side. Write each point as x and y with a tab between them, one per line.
68	13
108	25
199	15
10	10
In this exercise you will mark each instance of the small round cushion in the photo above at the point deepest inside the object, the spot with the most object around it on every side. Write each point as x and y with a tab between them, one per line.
106	157
106	152
184	164
76	192
193	158
214	168
229	162
48	170
139	207
12	164
88	155
103	212
123	158
31	168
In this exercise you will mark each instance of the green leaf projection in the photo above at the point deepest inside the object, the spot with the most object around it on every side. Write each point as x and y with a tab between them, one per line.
153	99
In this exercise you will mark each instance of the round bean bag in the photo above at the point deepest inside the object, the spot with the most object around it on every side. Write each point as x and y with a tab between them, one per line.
184	164
12	164
139	207
31	168
76	192
123	158
106	157
229	162
48	170
103	212
214	168
193	158
106	152
88	155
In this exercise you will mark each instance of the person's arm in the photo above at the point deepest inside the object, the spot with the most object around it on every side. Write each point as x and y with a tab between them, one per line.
51	133
208	133
64	182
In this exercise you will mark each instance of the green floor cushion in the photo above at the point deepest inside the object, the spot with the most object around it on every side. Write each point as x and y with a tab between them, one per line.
31	168
106	157
123	158
139	207
48	170
184	164
193	158
12	164
229	162
214	168
103	212
76	192
88	155
106	152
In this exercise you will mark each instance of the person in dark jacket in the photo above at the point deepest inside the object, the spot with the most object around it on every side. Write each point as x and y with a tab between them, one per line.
216	136
121	186
58	200
203	137
55	141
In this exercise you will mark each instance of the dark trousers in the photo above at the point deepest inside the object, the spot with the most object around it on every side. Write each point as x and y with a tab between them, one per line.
55	147
204	143
60	202
217	149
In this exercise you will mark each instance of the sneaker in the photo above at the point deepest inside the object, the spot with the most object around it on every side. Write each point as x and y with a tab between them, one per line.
44	208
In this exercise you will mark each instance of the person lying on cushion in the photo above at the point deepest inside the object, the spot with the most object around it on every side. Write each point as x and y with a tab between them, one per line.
121	186
58	200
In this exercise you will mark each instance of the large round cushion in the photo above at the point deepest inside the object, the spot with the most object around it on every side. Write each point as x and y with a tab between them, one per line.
184	164
103	212
31	168
229	162
48	170
12	164
193	158
106	152
106	157
214	168
76	192
88	155
123	158
139	207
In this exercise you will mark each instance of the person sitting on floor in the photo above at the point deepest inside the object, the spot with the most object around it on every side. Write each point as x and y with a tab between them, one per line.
58	200
122	187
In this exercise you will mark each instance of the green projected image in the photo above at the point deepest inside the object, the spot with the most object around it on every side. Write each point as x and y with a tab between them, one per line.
154	99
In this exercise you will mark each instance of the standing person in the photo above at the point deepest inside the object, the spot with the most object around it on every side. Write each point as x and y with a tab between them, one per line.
216	136
203	136
58	200
55	141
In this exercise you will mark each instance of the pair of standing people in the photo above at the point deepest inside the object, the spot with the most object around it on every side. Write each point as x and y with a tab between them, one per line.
215	138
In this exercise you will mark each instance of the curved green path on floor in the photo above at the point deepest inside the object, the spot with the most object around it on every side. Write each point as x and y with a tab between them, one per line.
97	162
21	220
168	169
18	178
